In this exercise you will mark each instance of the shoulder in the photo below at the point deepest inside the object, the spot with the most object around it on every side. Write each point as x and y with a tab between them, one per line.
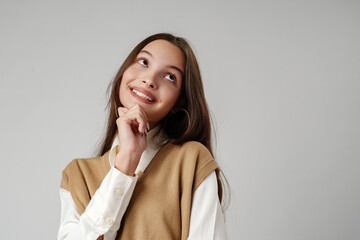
194	145
85	163
191	152
197	147
80	169
189	147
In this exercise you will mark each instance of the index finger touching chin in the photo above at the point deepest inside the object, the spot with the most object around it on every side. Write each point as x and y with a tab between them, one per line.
122	111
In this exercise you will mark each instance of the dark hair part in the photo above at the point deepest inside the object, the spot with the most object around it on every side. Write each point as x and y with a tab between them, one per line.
190	115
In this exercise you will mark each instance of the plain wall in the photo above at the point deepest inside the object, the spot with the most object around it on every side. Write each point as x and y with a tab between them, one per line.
282	80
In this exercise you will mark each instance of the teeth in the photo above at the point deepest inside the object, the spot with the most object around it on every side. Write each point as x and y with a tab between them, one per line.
142	95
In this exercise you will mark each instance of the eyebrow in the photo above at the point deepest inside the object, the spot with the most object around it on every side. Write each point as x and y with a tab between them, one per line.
170	66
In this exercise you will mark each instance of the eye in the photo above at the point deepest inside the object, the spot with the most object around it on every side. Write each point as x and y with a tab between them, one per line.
143	62
170	77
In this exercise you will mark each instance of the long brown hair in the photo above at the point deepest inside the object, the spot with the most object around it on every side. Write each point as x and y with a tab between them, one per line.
190	116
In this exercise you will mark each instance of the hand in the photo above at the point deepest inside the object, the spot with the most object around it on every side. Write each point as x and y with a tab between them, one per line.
132	128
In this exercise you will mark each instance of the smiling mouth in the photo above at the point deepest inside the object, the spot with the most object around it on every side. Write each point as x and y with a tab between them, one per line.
140	94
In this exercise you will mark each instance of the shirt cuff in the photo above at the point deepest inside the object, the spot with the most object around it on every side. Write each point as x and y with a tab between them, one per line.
107	207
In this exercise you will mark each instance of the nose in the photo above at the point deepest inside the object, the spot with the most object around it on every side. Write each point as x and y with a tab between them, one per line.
150	81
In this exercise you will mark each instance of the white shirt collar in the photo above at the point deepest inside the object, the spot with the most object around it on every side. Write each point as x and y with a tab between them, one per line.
154	143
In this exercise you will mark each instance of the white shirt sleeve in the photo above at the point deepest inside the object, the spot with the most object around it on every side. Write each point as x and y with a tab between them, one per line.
104	212
207	219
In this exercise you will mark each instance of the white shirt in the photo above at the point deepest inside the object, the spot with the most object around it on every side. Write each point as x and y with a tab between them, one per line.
106	208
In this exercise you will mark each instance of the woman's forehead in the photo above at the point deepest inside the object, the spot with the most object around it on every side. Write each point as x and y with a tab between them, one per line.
165	52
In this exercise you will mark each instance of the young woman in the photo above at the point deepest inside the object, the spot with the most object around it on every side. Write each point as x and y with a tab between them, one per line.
155	176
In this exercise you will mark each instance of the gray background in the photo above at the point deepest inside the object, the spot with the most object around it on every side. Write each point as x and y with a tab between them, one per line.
282	79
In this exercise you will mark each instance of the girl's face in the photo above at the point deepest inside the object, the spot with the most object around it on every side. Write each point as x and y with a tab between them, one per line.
154	80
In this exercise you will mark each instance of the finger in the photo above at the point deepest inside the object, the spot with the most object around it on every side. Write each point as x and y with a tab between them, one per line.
122	111
130	120
138	118
138	108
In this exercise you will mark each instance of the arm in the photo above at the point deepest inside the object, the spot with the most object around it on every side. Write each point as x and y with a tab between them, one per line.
107	207
103	213
207	219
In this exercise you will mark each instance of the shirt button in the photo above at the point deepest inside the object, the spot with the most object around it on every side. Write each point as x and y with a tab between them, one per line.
109	220
119	192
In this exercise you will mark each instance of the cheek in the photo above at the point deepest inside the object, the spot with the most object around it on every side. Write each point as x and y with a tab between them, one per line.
129	74
171	97
127	77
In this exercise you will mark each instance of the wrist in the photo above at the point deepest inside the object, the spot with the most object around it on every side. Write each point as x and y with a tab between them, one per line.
126	163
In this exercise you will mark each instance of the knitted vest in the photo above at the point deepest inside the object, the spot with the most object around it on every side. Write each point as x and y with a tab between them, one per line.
161	202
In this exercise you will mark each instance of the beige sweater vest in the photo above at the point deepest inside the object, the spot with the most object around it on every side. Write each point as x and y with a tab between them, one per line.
161	202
